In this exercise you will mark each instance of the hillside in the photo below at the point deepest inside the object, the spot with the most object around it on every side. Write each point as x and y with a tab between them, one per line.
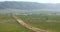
27	5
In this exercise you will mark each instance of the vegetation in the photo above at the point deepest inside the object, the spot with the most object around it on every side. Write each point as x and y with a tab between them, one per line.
42	12
9	24
50	23
42	15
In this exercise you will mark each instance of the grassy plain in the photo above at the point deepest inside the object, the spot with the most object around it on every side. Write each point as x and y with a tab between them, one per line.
9	24
50	23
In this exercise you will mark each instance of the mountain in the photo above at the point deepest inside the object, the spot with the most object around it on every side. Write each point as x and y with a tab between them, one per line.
27	5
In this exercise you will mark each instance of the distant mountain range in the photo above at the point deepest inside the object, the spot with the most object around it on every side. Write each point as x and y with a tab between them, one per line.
27	5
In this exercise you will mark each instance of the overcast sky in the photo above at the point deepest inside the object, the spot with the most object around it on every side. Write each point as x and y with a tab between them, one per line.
40	1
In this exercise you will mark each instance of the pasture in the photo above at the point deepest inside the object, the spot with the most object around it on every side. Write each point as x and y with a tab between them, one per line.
9	24
50	23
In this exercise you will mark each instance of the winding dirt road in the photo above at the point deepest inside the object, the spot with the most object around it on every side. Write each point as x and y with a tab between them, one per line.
29	26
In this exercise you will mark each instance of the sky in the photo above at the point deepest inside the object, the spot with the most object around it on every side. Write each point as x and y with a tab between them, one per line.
39	1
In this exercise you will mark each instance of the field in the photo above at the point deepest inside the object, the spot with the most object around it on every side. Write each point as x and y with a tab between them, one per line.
9	24
34	18
29	12
50	23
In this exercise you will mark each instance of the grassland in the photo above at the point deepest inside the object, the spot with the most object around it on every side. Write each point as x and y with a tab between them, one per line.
9	24
29	12
50	23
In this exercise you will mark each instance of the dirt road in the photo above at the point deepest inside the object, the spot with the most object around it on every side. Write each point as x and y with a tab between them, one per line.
29	26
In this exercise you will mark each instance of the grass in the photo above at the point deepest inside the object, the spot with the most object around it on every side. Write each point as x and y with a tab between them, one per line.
11	26
40	22
6	17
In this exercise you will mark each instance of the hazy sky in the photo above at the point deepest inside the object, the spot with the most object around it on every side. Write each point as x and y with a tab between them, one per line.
40	1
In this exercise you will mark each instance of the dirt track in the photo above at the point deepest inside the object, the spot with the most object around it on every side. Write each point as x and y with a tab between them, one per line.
29	26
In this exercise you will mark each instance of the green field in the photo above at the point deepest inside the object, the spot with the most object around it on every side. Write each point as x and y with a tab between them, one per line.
50	23
9	24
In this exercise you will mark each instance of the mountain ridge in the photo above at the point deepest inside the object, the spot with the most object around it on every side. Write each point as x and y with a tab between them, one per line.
27	5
